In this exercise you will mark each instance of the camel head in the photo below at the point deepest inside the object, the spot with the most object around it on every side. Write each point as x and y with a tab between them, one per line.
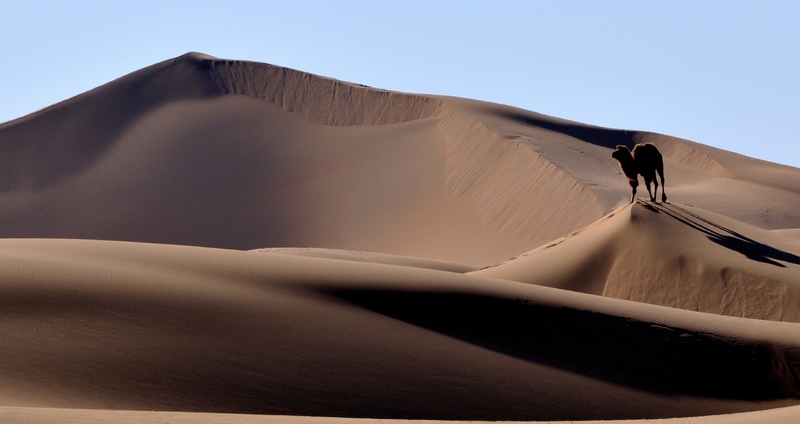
627	164
622	154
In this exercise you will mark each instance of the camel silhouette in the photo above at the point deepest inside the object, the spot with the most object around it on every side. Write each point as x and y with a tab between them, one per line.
644	160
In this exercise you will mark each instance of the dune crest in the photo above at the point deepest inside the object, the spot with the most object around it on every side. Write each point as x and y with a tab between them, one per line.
322	100
682	152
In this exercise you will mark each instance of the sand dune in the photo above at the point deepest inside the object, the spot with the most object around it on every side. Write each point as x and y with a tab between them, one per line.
211	237
205	152
114	325
671	255
20	415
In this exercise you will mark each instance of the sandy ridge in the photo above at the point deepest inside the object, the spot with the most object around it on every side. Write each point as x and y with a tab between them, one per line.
322	100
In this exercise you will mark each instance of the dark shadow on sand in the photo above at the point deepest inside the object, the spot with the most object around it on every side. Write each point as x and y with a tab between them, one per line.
605	137
726	237
619	350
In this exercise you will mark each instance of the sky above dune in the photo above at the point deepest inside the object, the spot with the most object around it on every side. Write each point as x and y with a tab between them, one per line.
722	73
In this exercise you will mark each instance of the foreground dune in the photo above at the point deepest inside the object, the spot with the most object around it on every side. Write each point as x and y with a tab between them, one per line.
20	415
211	237
113	325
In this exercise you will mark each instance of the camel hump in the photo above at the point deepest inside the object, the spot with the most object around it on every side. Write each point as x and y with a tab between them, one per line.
646	152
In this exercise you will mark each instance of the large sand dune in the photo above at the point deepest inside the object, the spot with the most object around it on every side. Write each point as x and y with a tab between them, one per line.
243	155
216	236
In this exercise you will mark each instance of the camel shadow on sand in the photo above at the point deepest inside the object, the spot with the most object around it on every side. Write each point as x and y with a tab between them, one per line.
726	237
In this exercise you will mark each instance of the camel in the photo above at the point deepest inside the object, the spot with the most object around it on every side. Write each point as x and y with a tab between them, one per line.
645	159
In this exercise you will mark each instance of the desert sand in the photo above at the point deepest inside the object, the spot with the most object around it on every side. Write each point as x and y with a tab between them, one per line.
211	241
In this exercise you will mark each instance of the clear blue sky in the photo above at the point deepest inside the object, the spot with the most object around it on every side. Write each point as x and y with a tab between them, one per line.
722	73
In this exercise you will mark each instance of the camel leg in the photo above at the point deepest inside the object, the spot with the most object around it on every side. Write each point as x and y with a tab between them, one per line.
655	189
633	184
663	193
647	182
633	189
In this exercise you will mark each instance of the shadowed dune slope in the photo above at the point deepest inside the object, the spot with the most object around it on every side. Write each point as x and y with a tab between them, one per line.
114	325
233	154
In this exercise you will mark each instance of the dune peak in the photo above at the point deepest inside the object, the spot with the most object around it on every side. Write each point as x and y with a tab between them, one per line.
199	56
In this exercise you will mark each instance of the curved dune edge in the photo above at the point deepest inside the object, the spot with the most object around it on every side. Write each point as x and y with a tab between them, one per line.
371	257
322	100
20	415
